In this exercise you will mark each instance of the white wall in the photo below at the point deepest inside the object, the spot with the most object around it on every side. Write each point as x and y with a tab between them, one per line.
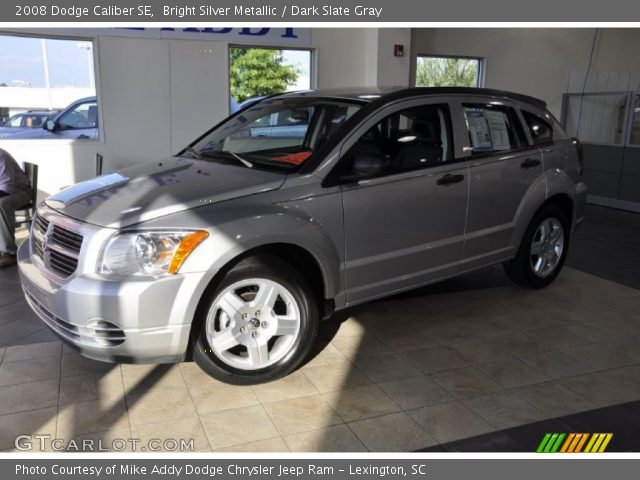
537	62
340	56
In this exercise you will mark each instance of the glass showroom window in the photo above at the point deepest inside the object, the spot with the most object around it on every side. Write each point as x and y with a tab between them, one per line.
432	71
41	77
257	72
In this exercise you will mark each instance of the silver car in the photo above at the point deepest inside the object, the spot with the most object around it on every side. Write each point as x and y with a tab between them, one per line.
232	252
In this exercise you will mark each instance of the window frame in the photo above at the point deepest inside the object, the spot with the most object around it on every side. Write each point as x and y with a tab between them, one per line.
333	177
480	76
461	101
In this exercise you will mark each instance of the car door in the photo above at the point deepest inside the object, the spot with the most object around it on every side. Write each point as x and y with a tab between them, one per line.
79	121
404	223
503	165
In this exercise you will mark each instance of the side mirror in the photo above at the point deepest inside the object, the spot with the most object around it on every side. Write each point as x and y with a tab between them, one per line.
49	125
367	165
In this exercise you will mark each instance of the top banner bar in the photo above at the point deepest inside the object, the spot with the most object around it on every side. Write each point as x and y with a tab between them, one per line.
300	11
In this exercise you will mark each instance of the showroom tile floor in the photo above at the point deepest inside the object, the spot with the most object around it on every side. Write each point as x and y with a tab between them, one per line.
474	363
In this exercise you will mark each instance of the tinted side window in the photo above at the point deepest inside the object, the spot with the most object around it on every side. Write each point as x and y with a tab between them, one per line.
84	115
543	130
410	139
493	128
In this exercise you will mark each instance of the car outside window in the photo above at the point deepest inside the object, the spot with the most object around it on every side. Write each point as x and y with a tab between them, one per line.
493	128
14	122
85	115
411	139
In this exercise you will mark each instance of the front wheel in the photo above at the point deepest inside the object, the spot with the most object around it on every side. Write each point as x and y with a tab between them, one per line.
543	249
259	324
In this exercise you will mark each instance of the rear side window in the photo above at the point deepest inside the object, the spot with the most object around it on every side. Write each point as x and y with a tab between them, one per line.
493	128
543	130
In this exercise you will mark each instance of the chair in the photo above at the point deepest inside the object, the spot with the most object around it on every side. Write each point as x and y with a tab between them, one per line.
29	210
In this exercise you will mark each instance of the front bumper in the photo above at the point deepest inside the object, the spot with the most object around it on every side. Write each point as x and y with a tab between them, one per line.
136	320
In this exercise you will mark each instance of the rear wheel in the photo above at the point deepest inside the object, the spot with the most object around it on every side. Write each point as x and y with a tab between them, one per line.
543	249
259	324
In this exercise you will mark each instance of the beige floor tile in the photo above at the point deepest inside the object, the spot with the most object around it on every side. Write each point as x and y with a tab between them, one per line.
447	422
142	378
481	326
447	332
557	337
84	388
595	357
405	340
160	404
478	350
270	445
555	364
517	344
628	325
601	390
628	349
436	359
465	382
28	396
396	432
213	397
629	376
352	327
553	399
525	319
504	410
74	364
361	402
25	371
42	422
338	438
301	414
293	385
360	347
595	331
324	354
337	376
512	373
415	392
182	435
89	417
32	351
238	427
385	368
194	375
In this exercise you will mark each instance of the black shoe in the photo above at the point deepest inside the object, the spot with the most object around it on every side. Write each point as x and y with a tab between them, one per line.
6	260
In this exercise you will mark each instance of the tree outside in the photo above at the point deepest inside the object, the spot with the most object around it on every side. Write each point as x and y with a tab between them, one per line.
447	72
259	71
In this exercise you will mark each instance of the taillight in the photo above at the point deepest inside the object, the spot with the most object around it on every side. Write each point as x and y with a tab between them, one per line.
578	145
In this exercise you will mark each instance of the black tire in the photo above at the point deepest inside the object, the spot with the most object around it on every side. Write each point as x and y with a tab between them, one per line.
275	269
519	270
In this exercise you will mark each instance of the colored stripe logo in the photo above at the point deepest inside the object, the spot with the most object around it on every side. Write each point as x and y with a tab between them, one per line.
574	442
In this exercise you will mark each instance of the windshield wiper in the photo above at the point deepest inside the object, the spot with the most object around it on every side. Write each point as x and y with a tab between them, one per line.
193	153
214	153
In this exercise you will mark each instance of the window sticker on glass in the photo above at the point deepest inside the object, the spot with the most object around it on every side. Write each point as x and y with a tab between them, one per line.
478	131
498	127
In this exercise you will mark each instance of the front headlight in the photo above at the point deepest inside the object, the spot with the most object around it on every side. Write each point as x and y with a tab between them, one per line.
149	253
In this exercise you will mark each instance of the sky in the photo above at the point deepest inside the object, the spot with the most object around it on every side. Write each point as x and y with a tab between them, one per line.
21	59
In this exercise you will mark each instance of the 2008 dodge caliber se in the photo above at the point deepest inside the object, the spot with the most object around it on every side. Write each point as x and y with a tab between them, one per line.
233	250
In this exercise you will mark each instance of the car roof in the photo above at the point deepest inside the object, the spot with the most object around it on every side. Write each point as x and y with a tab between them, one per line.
369	94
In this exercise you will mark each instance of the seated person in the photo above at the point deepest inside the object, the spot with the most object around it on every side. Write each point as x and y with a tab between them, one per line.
15	192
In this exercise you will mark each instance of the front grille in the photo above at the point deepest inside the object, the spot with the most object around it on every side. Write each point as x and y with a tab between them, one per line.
57	247
96	333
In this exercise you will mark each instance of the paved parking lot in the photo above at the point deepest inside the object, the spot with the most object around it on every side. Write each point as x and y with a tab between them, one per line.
429	369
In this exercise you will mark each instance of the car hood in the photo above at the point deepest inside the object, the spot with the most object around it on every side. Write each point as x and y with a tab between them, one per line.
145	192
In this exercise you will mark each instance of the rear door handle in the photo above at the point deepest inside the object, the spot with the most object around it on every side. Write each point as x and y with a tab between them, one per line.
448	179
83	136
530	163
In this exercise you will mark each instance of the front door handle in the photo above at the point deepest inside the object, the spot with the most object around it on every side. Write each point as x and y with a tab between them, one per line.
448	179
530	163
83	136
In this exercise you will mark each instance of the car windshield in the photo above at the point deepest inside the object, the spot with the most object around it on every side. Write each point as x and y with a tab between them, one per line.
276	132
